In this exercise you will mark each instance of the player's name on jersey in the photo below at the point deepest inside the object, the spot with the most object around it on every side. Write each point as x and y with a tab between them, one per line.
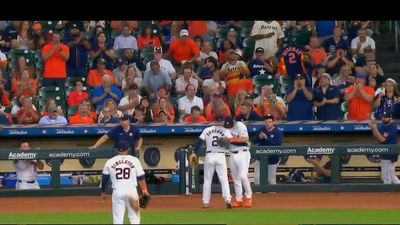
123	161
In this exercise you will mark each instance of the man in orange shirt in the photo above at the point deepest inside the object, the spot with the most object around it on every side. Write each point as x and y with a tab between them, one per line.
360	99
83	115
55	55
195	116
183	49
95	77
317	52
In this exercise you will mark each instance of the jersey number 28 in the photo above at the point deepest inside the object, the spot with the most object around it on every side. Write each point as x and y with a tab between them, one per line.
123	173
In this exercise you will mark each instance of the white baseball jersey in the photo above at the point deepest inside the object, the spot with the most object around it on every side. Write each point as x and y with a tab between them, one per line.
269	44
211	134
239	130
26	170
123	171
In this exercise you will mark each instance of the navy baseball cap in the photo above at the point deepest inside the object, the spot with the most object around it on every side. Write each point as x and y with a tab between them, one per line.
260	49
122	146
301	75
228	122
219	118
387	114
269	116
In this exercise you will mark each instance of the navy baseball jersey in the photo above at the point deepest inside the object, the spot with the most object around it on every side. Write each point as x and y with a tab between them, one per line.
274	137
389	131
291	62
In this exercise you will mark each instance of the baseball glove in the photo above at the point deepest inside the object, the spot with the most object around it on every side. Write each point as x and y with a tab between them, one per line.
194	161
223	142
144	201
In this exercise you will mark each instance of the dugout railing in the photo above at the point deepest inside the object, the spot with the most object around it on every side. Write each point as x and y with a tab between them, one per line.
263	152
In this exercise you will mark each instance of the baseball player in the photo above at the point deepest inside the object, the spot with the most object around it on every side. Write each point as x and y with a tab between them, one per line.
387	135
239	161
124	170
268	136
27	171
214	161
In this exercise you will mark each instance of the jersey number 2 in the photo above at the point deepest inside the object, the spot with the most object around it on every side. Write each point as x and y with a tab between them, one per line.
292	58
123	173
214	142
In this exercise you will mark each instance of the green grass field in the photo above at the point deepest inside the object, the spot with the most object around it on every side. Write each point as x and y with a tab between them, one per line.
219	217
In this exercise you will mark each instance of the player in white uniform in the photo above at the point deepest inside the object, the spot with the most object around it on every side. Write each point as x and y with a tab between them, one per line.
27	171
124	171
214	161
240	161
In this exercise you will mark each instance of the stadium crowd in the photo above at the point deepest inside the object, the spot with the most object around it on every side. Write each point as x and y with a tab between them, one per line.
87	72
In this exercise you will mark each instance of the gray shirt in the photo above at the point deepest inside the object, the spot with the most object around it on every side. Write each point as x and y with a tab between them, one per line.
60	120
155	81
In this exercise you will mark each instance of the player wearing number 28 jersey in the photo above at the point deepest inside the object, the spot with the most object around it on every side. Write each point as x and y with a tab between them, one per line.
124	170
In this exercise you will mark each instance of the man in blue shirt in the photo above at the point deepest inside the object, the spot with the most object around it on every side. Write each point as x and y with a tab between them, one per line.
247	114
78	48
270	135
104	92
123	132
326	99
259	65
300	100
386	134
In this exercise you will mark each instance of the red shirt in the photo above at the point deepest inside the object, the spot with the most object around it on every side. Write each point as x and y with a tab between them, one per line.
180	51
189	119
145	42
75	99
29	117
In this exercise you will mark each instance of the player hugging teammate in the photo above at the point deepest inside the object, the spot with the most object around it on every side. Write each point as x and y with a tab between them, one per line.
232	135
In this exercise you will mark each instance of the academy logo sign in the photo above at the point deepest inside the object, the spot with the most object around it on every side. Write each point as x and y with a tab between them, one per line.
22	155
320	151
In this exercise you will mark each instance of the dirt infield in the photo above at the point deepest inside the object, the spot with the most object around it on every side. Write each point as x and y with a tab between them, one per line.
379	201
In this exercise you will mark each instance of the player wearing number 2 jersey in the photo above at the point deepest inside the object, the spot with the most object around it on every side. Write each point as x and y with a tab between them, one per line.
214	161
124	170
291	62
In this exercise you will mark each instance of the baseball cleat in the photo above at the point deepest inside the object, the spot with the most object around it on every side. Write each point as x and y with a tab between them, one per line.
205	205
248	202
238	204
228	205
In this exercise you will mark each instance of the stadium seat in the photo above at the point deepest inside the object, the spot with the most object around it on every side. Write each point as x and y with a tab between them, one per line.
286	84
222	33
245	32
48	26
268	79
144	23
52	91
246	24
15	54
72	110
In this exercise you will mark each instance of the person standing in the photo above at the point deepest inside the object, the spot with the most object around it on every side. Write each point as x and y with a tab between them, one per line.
239	161
125	171
214	161
27	171
124	132
270	135
386	134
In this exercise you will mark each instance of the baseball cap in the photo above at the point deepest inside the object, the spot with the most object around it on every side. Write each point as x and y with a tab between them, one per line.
269	116
327	76
228	122
387	114
122	146
235	51
260	49
300	75
184	32
391	80
120	61
124	117
101	61
74	25
158	49
219	118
